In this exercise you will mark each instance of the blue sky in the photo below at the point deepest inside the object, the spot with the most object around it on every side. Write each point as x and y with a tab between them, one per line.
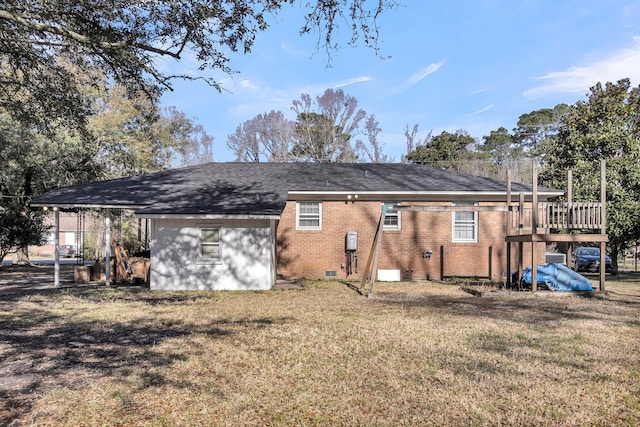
471	65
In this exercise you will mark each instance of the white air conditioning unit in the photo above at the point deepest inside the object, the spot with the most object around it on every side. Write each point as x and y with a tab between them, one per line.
555	258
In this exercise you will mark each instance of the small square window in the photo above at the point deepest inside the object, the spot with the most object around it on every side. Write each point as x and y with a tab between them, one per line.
209	243
391	218
465	224
309	215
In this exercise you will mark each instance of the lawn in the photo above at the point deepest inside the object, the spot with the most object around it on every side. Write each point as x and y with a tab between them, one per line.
414	354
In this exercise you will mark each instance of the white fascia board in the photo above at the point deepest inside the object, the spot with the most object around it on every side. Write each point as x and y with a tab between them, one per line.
85	206
424	195
206	216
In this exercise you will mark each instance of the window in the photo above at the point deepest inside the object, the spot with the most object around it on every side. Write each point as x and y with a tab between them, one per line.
465	224
309	216
391	219
209	243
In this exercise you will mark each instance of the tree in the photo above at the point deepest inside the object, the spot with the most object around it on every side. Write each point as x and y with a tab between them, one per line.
127	39
133	135
245	143
125	135
504	154
276	135
373	151
19	227
536	130
266	137
323	132
29	164
179	141
606	126
411	140
444	151
199	147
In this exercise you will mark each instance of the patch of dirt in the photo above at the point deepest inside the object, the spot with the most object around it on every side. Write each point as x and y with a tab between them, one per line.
485	291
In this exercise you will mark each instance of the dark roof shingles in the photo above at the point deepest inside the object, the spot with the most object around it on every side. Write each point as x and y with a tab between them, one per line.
261	188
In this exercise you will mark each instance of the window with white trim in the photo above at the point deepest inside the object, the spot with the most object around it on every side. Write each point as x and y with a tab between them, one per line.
209	243
465	224
391	219
309	215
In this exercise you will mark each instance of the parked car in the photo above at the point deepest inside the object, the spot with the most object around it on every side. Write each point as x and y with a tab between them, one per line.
67	251
588	259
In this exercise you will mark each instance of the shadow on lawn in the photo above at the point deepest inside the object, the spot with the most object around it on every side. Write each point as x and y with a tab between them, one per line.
527	329
41	350
522	308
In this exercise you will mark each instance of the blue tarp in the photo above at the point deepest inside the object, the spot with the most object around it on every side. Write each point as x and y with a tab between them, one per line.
558	277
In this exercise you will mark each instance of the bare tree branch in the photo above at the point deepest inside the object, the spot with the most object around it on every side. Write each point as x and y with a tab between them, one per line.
125	38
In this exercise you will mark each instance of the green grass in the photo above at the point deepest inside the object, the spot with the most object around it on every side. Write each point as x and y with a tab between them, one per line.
415	354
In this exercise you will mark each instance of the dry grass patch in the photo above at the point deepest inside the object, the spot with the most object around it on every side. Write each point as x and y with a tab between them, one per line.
416	353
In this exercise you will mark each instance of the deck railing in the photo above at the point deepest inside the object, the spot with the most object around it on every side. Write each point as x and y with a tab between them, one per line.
556	215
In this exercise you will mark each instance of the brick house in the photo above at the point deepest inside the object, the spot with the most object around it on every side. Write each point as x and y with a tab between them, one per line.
415	245
242	225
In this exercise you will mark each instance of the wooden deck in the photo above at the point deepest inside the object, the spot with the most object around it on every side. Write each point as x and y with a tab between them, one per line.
556	216
557	221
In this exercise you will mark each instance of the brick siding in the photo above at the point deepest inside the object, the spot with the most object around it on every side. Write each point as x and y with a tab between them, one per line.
311	253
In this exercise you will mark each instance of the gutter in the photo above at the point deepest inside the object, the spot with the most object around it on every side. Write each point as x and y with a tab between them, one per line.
207	216
418	195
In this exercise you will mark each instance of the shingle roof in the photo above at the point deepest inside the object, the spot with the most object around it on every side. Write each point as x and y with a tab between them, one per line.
263	188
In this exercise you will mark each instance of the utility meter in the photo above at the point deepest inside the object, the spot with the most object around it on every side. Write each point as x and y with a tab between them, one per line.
351	243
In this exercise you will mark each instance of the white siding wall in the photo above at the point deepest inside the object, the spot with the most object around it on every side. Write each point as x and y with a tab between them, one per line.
245	256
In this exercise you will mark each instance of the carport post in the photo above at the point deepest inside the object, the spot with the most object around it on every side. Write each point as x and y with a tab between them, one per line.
56	251
107	247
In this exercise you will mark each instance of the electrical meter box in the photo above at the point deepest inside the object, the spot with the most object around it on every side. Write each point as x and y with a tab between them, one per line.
351	241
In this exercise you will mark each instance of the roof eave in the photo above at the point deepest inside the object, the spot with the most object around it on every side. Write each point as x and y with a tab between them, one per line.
205	216
85	205
417	195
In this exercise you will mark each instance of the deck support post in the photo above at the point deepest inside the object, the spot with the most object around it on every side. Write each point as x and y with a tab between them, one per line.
569	209
107	247
507	225
509	281
603	222
520	227
534	230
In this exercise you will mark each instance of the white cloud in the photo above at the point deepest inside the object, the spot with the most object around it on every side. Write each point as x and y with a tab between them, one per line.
248	84
577	80
482	110
352	81
420	75
318	89
259	100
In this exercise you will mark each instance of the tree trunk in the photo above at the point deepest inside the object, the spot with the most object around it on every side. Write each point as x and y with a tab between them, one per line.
614	263
22	256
